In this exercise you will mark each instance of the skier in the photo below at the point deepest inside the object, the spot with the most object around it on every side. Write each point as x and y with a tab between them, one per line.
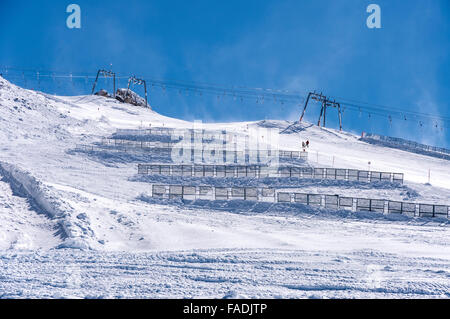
307	143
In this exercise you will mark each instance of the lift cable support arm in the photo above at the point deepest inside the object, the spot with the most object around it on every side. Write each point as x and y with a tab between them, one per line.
319	97
107	74
134	80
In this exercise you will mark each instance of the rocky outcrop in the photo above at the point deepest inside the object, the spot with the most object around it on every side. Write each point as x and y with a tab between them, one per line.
125	96
103	93
130	97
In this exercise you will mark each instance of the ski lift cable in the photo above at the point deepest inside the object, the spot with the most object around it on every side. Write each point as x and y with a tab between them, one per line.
287	95
392	115
401	113
246	92
385	108
400	117
393	111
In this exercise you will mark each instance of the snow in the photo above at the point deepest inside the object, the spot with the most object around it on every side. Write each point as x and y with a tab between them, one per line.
21	227
83	224
236	273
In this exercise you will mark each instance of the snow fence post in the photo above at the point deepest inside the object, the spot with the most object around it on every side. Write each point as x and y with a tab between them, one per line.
197	192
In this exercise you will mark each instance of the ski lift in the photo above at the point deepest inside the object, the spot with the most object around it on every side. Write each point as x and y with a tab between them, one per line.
106	74
133	80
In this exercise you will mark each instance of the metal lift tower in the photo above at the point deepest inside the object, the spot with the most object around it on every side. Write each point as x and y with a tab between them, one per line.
135	80
325	104
107	74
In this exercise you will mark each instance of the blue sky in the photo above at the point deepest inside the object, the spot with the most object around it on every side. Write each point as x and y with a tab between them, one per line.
294	45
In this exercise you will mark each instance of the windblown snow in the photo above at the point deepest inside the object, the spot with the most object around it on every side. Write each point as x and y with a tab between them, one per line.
83	224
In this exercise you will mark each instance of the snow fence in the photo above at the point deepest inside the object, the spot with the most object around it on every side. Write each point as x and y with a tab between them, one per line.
406	145
333	202
202	155
260	171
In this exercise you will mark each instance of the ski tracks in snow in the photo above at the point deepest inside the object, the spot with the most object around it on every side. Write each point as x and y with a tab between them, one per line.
251	273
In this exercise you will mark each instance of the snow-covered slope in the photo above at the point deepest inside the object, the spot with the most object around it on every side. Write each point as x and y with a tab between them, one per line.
54	196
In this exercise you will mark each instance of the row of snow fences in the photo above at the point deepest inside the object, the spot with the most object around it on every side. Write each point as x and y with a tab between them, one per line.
201	154
365	204
403	142
213	193
205	144
178	132
195	156
258	171
146	131
94	148
293	155
167	146
204	170
168	131
136	144
333	202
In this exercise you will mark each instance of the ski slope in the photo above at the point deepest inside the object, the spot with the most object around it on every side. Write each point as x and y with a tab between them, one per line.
85	222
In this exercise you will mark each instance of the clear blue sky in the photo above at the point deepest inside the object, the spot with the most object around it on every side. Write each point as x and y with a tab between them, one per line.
295	45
